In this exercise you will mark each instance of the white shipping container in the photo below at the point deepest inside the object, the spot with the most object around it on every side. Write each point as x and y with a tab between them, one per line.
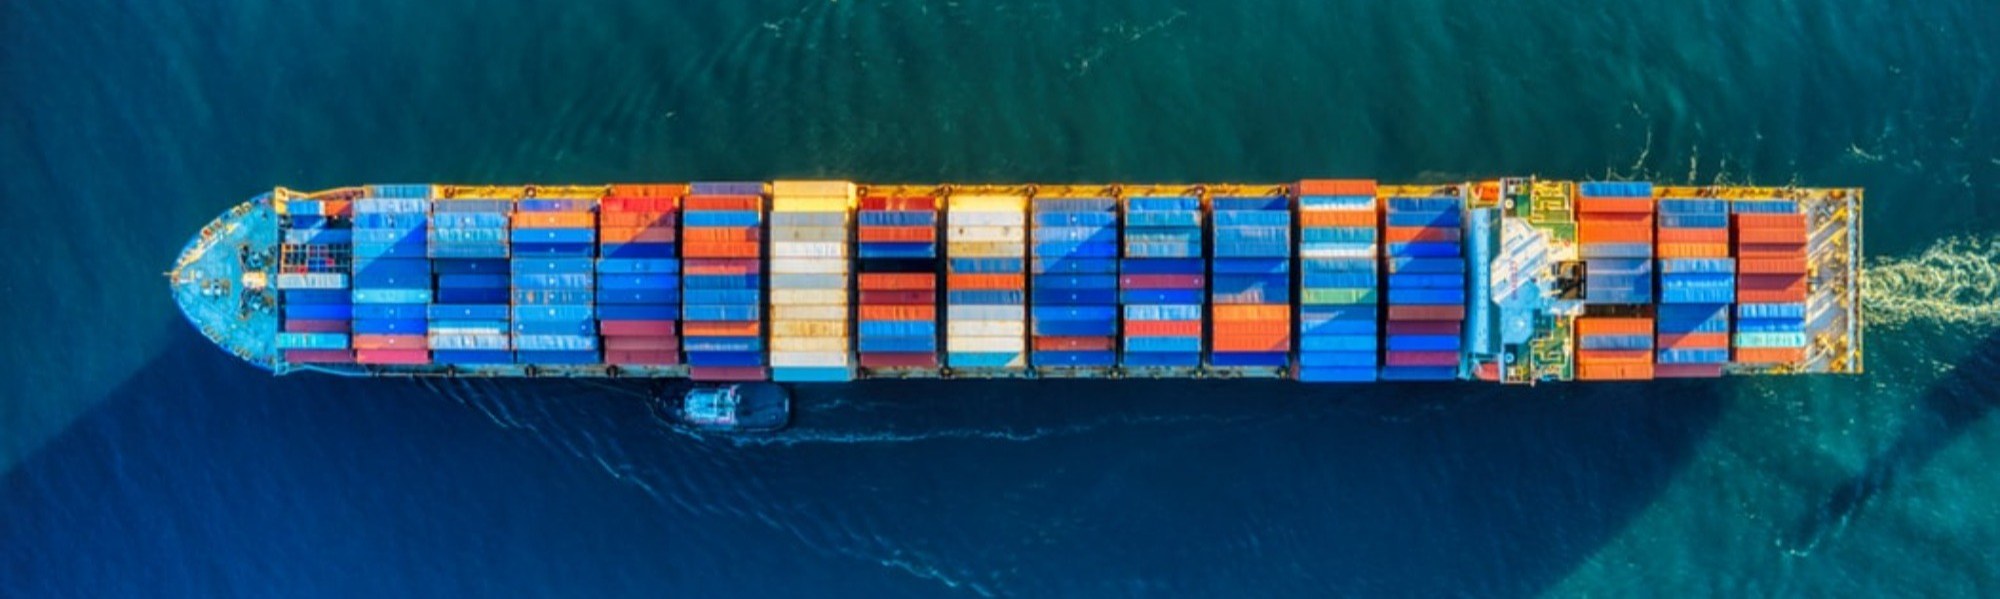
313	280
808	344
986	344
809	234
960	218
984	328
804	249
1370	252
498	329
787	312
809	358
982	233
966	312
808	297
986	249
808	266
809	328
798	281
973	201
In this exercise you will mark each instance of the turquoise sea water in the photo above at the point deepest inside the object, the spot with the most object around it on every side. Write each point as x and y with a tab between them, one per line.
139	461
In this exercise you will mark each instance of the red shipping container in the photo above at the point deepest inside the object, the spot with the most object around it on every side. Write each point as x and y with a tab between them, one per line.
899	298
1403	234
1162	328
1590	232
1597	325
899	204
728	234
722	203
554	220
720	266
879	281
1421	358
1771	221
318	356
642	358
403	357
1262	342
1426	312
391	342
748	249
1074	343
1352	219
636	219
1693	341
648	190
642	343
632	328
1771	236
1337	187
986	281
1423	327
722	329
898	360
727	373
636	235
898	234
316	326
1184	281
1687	371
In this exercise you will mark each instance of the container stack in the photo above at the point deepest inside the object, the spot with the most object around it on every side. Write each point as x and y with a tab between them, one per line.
1251	283
986	283
1338	301
1161	282
1771	284
722	323
555	300
1075	271
1614	348
1614	225
810	338
1697	285
469	250
391	275
313	267
639	275
1426	264
898	280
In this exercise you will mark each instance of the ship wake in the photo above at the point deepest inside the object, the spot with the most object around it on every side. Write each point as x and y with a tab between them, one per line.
1955	282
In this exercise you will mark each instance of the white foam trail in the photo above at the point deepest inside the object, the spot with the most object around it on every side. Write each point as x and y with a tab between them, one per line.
1955	282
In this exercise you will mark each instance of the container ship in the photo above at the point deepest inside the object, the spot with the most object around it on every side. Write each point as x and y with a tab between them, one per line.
1514	280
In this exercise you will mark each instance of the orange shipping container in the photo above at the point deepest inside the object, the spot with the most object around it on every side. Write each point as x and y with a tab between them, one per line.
986	281
1615	205
554	220
1337	187
720	250
1614	356
637	205
390	342
1362	219
1614	372
1270	342
648	190
1763	266
336	207
898	312
1771	221
899	204
1074	343
1252	312
1772	236
1693	341
1162	328
1403	234
1694	236
713	266
898	234
1593	232
636	234
1771	296
1252	327
732	234
705	328
892	281
636	219
1770	355
723	203
1598	325
1692	250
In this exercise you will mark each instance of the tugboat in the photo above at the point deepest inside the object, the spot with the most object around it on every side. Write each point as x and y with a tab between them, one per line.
739	408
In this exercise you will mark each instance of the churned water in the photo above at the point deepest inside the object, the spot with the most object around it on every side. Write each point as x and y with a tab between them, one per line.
140	461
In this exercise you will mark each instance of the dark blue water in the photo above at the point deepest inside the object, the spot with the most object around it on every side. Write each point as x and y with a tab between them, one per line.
140	461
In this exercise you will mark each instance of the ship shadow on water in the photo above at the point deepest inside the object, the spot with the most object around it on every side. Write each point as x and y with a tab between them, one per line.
1945	411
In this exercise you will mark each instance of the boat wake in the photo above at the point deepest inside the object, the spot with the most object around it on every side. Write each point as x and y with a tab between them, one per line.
1955	282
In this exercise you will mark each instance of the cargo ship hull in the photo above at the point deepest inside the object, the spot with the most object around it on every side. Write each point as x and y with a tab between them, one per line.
1517	280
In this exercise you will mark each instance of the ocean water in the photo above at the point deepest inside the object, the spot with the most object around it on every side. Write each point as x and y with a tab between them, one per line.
137	460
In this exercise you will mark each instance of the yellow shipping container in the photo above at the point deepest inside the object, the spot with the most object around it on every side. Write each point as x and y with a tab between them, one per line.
808	312
808	204
809	297
808	344
812	188
987	202
984	233
809	328
985	249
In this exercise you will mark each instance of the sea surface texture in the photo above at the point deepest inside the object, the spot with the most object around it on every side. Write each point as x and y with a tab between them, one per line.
137	460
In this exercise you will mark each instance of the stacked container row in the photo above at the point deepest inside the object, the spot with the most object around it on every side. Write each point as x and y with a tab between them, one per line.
555	290
1250	283
469	252
1161	282
1423	242
392	275
1614	225
898	280
1771	285
986	282
1697	286
1338	301
810	283
639	275
1075	270
722	273
313	283
1614	348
